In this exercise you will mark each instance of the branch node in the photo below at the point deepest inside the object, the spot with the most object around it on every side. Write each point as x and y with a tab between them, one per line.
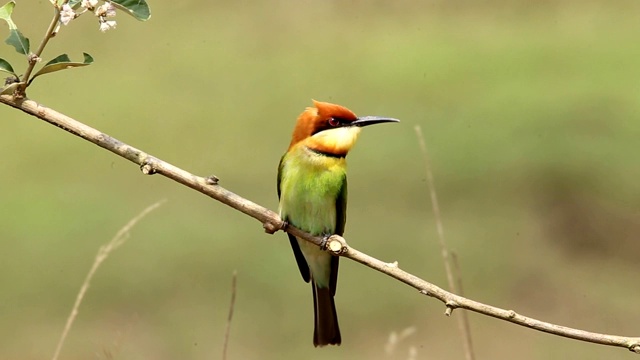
451	305
147	168
424	292
212	180
18	95
336	245
41	110
635	348
392	264
33	58
512	314
448	311
271	228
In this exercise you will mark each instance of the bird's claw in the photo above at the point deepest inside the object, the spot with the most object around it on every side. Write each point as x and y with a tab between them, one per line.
325	241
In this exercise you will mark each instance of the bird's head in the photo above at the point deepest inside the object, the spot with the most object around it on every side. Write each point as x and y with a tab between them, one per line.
330	128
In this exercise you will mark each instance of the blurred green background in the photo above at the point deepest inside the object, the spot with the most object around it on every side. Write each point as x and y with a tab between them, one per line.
530	111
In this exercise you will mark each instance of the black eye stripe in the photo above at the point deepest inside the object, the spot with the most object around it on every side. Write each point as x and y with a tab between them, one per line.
331	123
338	121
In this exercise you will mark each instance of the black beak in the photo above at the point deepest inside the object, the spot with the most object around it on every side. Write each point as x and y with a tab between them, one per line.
370	120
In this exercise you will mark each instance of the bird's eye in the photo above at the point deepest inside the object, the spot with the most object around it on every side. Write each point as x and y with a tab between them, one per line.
334	122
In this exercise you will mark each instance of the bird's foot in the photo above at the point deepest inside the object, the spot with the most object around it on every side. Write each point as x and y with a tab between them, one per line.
325	241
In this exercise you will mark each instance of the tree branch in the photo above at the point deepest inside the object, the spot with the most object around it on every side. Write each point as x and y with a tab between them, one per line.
272	223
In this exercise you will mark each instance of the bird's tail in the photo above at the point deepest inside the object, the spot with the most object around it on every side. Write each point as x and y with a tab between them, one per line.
326	331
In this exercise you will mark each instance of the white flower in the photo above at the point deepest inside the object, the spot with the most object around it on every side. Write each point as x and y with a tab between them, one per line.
67	14
111	10
107	25
89	4
106	10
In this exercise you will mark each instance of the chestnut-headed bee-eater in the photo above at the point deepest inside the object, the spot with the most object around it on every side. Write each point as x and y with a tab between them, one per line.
312	188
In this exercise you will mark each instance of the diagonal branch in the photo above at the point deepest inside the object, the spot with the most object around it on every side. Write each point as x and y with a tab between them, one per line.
272	223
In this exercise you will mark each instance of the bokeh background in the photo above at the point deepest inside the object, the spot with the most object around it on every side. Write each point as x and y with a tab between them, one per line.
530	111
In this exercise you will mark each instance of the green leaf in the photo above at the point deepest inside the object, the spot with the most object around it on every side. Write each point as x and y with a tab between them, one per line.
74	3
62	62
15	39
18	41
5	13
9	89
6	67
136	8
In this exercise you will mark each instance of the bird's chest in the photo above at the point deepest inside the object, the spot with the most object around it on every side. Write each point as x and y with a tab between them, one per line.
308	196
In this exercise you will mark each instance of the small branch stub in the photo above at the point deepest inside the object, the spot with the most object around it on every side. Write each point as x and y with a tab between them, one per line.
336	245
271	228
451	305
147	169
212	180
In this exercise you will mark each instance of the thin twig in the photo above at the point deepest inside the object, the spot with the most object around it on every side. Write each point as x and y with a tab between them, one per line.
227	331
103	253
463	324
48	35
272	223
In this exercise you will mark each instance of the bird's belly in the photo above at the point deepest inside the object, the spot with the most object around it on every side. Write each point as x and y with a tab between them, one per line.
310	208
314	212
308	201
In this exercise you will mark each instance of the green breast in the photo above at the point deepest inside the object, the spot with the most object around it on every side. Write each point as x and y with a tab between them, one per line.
310	184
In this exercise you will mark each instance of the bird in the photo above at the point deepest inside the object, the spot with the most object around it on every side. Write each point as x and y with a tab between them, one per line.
312	193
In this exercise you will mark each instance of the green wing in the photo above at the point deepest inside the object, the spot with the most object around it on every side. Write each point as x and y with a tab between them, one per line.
341	208
302	263
341	220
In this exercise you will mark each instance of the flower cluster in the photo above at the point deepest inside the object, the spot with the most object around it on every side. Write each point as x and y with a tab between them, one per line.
67	14
103	12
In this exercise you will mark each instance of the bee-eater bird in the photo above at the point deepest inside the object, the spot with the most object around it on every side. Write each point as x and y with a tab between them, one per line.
312	188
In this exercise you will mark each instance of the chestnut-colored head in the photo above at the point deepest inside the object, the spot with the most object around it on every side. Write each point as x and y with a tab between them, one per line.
330	128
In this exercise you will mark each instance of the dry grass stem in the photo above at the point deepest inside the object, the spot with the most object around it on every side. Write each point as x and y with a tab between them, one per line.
395	338
468	345
227	331
103	253
463	322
